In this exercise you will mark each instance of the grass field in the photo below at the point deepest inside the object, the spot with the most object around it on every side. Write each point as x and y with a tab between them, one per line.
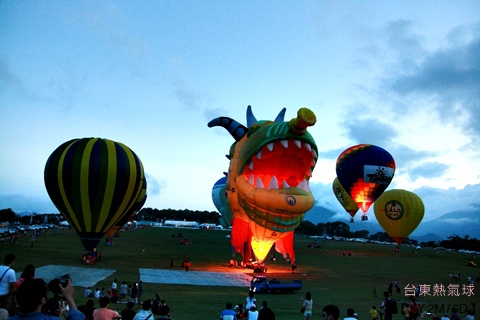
347	281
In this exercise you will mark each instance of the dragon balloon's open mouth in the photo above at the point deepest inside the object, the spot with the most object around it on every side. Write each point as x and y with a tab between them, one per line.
281	164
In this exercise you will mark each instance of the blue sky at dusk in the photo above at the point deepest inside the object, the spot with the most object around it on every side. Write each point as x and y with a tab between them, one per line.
403	75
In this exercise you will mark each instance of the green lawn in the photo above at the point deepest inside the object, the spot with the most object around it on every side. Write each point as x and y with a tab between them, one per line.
331	277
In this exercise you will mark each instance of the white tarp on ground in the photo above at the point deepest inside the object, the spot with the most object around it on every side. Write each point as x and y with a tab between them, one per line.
81	276
199	278
90	276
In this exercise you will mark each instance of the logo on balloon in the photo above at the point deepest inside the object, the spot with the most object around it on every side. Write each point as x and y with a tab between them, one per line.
378	174
290	200
394	210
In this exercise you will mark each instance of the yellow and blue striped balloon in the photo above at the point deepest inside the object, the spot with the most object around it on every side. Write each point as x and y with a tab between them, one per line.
93	182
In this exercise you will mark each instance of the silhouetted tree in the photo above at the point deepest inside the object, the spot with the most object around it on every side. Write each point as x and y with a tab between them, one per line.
7	215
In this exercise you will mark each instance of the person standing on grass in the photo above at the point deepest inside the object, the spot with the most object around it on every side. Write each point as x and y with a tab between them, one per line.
266	313
250	301
8	281
140	290
308	305
414	310
387	306
123	292
114	284
134	293
373	313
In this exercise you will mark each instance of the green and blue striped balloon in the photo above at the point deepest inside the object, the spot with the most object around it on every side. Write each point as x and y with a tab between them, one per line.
93	182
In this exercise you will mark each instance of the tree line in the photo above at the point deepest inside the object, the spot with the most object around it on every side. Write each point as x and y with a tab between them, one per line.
307	228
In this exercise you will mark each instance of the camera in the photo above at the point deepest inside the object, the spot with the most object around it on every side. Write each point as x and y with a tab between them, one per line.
53	284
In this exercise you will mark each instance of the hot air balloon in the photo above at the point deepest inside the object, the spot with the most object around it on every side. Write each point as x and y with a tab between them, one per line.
220	200
344	198
365	171
399	212
93	182
268	190
142	198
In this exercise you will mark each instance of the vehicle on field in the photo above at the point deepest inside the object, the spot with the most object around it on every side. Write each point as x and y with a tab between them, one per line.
261	284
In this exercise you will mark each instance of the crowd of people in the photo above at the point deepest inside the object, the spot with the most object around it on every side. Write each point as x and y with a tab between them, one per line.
27	298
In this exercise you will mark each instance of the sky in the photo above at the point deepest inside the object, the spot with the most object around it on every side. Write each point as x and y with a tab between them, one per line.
402	75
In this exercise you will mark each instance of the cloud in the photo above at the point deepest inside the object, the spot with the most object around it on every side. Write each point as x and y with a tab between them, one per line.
20	203
10	81
154	187
108	22
371	131
428	170
185	95
460	221
439	201
448	77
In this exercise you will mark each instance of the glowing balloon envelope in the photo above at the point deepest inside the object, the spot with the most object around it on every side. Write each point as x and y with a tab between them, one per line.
268	179
93	182
399	212
344	198
365	171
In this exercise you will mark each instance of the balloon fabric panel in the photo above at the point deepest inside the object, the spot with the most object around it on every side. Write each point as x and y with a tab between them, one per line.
365	171
399	212
344	198
93	182
271	163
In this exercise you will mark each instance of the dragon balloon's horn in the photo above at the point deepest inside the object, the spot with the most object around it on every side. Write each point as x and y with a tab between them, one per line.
236	129
305	118
250	117
281	116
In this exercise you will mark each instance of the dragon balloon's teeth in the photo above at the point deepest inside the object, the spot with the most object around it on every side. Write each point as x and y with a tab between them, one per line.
250	165
273	183
304	185
309	148
314	154
270	146
284	143
259	154
260	184
298	143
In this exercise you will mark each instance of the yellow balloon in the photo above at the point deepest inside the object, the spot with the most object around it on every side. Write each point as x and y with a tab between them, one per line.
399	212
344	198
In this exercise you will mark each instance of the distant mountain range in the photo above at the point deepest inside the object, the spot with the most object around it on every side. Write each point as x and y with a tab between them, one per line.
459	222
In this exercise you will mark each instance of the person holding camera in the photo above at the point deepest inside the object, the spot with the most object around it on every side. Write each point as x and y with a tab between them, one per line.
32	295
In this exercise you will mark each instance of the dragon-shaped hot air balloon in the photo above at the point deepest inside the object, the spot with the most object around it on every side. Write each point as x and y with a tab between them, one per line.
267	185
